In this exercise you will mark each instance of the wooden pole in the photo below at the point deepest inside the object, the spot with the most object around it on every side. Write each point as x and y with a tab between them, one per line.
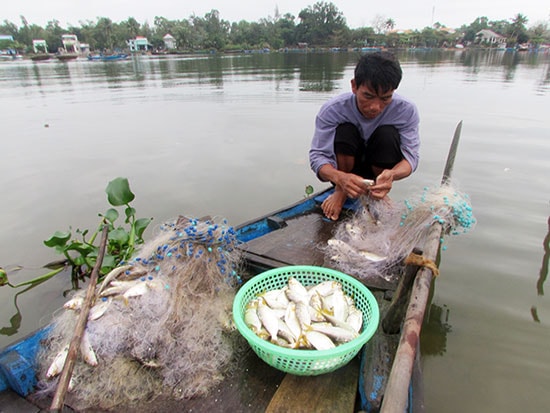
397	390
57	402
396	394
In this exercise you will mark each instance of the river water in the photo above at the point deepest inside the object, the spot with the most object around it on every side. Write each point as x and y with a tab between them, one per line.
228	136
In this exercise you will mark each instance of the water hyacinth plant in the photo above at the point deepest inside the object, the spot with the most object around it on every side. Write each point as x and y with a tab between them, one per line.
81	253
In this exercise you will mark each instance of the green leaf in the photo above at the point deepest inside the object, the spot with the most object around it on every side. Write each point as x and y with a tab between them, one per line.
111	215
130	212
109	261
141	225
3	277
119	235
58	239
82	249
118	192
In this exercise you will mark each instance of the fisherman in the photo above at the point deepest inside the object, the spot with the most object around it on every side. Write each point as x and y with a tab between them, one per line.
368	133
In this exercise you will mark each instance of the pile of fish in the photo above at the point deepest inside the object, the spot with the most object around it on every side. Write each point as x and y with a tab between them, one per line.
318	317
121	283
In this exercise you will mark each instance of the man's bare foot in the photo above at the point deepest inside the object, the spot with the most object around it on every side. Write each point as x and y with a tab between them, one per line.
332	206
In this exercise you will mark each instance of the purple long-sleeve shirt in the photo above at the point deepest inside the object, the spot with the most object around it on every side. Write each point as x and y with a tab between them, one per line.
400	113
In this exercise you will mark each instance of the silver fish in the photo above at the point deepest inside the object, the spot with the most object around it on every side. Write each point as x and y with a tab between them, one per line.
339	334
269	319
276	298
339	305
251	318
119	287
296	291
72	384
315	308
354	232
99	308
86	350
58	362
302	312
142	288
74	303
291	320
355	319
339	323
324	288
318	340
345	250
111	276
284	332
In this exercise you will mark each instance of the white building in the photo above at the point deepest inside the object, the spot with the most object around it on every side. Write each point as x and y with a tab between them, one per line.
169	41
71	43
489	37
139	44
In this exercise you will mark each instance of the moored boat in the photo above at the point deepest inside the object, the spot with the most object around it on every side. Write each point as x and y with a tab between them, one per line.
290	236
108	58
40	57
67	56
40	48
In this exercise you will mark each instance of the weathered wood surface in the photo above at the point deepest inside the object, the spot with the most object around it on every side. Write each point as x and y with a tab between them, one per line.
326	393
378	355
396	399
296	243
299	241
11	402
393	317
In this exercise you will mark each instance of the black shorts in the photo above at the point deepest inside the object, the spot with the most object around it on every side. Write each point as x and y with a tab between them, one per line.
383	149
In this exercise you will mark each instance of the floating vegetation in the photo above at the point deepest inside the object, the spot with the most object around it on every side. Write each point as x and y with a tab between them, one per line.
160	324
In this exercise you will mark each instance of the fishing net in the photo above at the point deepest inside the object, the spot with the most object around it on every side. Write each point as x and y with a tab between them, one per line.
373	242
171	335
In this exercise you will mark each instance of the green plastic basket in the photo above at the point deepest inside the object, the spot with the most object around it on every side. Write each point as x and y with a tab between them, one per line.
297	361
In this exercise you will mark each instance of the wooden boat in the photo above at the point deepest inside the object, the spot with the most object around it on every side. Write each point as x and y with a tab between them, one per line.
67	56
284	237
386	377
107	58
39	57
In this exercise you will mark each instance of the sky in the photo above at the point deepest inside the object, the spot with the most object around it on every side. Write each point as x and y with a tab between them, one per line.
407	14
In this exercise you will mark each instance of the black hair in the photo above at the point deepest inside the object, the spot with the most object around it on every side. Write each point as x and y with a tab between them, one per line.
380	71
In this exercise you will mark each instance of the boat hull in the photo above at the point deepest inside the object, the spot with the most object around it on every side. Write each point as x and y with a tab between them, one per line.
284	237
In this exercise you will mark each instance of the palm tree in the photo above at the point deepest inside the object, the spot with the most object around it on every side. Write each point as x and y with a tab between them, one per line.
517	28
389	25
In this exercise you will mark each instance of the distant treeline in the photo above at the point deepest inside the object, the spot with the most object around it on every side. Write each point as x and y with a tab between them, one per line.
319	25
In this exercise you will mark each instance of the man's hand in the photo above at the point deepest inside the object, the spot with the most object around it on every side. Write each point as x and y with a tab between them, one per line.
383	184
353	185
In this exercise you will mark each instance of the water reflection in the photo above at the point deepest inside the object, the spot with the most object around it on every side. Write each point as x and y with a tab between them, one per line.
543	274
15	319
545	262
316	72
434	331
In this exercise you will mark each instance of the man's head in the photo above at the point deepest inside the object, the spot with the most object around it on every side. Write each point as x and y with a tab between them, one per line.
379	71
377	75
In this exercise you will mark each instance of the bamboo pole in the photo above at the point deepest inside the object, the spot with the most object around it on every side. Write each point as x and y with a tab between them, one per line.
397	390
63	384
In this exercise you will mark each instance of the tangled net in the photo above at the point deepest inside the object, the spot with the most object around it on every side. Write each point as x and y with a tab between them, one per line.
373	242
174	339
